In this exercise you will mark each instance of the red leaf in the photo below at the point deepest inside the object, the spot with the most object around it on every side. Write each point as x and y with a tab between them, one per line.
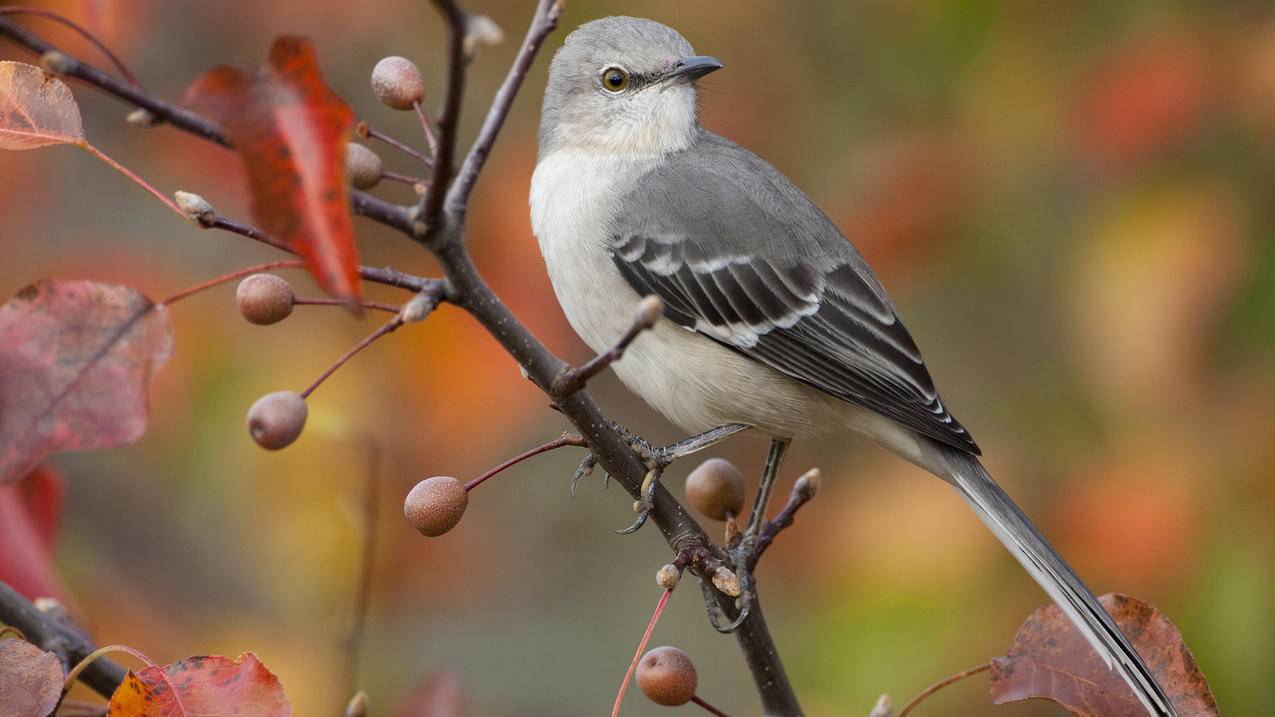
212	686
29	515
291	130
1050	660
30	679
76	358
36	110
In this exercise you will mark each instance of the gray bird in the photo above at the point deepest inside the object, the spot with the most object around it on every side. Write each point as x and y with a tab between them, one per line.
773	321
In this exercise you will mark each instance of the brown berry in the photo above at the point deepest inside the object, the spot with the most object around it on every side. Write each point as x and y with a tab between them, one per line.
363	167
276	419
436	505
397	83
667	676
716	489
265	299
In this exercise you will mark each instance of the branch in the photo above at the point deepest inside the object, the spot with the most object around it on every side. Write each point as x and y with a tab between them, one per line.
802	491
573	379
59	637
542	24
431	203
365	204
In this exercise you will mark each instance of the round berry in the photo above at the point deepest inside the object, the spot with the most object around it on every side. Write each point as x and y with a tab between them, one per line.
716	489
667	676
276	419
265	299
436	505
363	167
397	83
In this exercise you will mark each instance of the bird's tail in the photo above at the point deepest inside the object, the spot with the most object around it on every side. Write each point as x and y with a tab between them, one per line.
1024	540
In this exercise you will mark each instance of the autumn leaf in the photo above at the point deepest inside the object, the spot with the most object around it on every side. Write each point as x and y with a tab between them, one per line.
1050	660
30	679
291	130
211	686
36	109
76	358
30	511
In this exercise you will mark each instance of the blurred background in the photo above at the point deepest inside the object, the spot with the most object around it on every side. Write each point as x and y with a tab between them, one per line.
1070	202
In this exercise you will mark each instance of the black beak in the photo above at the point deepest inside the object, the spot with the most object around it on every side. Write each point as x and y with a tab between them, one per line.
694	68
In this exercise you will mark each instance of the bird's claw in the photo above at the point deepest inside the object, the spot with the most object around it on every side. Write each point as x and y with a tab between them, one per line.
646	503
585	470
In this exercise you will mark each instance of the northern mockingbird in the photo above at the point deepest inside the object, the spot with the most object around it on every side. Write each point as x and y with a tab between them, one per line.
773	320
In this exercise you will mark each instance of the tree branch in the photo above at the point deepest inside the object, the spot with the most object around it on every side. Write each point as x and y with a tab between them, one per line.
59	637
430	205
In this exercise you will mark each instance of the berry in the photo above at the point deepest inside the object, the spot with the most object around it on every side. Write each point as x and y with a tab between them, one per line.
265	299
667	676
716	489
363	167
276	419
436	505
397	83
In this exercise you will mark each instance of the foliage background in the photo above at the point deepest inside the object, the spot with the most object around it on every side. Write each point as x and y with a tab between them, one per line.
1071	203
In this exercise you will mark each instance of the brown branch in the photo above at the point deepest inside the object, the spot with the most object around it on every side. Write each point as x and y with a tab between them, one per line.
802	491
430	205
542	24
566	439
573	379
58	636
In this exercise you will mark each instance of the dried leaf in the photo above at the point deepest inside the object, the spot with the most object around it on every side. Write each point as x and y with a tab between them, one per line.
211	686
291	130
1050	660
36	109
30	679
30	511
76	358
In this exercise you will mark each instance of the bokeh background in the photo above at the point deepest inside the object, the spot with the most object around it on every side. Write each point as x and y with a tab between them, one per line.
1071	203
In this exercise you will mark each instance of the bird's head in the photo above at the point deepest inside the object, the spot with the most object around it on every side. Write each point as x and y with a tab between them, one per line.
625	86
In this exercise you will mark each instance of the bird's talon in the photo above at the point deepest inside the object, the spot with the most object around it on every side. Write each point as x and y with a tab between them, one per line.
643	512
585	470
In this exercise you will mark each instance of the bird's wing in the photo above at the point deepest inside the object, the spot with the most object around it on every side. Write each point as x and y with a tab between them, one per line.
739	254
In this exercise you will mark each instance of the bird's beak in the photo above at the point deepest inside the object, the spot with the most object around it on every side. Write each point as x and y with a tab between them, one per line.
693	68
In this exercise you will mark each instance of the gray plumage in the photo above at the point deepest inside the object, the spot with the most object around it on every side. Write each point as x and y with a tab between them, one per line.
773	318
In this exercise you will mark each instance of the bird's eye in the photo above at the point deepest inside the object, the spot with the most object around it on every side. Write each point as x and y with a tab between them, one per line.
615	79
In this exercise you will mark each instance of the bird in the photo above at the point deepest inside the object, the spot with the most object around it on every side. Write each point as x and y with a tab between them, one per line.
773	321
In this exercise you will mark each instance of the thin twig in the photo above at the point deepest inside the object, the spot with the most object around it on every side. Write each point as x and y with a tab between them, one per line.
404	178
707	707
164	198
93	40
430	138
637	656
270	266
925	693
386	328
367	130
430	205
542	24
573	379
329	301
802	492
566	439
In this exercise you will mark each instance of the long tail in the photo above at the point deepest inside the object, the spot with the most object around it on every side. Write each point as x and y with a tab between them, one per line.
1024	540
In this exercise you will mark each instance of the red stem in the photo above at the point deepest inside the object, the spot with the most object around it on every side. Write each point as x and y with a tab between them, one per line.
101	47
326	301
911	705
283	264
707	707
374	133
566	439
646	637
388	327
168	202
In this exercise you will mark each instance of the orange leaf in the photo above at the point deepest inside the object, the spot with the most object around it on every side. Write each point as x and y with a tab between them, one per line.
76	358
30	679
36	110
291	130
1050	660
211	686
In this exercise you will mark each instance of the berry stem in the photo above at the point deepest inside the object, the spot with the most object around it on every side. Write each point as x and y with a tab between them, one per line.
89	658
373	133
566	439
911	705
707	707
430	137
11	630
328	301
282	264
637	656
386	328
404	178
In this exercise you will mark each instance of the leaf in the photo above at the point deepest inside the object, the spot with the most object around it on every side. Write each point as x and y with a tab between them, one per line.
211	686
30	679
36	109
76	358
30	511
1050	660
291	130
